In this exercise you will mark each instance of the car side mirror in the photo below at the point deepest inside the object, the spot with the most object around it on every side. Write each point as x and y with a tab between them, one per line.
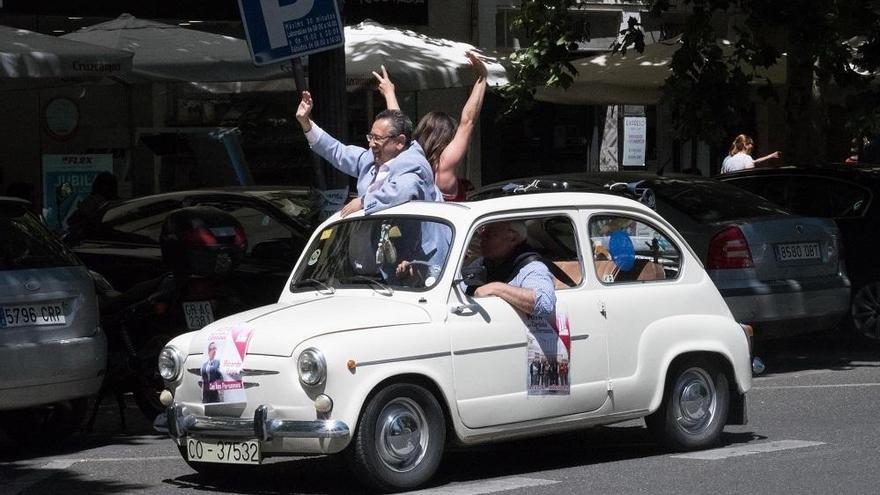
474	276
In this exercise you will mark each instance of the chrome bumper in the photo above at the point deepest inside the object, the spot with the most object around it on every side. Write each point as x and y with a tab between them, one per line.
178	425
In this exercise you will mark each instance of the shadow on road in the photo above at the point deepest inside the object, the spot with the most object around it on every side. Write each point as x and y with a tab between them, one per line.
329	475
837	350
15	480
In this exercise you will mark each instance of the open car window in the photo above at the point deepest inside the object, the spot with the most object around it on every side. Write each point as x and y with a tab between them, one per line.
552	237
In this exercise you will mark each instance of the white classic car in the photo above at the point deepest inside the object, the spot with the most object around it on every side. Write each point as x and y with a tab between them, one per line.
386	362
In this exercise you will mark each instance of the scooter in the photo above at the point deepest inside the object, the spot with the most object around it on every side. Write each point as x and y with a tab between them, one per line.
200	245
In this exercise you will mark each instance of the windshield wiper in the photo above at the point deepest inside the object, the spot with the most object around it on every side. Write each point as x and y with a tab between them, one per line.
312	281
384	289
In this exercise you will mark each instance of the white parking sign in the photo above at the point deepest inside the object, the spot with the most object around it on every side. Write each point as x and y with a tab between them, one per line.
283	29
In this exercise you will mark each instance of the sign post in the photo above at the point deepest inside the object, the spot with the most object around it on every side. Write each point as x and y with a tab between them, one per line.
284	29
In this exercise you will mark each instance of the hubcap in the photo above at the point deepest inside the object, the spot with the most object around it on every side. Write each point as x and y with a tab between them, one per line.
866	310
401	434
694	400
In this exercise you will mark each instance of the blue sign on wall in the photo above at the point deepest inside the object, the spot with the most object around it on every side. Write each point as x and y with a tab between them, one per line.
283	29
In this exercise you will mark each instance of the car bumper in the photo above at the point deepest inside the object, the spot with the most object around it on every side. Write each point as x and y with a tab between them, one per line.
784	308
178	424
43	373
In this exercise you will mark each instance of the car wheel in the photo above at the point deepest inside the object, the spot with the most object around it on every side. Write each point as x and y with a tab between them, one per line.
694	409
865	311
46	425
400	438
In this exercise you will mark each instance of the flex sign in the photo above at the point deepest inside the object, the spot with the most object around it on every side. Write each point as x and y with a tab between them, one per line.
283	29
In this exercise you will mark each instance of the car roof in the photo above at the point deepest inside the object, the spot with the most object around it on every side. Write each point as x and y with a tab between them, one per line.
854	173
12	199
467	211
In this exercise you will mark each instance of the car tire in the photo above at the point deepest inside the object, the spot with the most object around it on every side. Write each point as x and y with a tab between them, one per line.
695	404
865	311
399	440
46	425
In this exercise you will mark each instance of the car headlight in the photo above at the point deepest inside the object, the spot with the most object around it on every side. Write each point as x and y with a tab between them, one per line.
311	367
169	364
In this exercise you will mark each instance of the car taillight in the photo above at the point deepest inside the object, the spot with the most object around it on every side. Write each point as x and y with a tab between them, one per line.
729	249
240	239
199	237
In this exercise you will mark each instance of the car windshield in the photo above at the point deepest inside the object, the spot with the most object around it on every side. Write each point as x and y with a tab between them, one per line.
713	201
26	243
383	253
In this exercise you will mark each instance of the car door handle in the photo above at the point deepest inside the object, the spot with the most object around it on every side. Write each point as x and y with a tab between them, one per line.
460	309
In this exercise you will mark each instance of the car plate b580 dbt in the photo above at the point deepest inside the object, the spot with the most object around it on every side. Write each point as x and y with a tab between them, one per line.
798	251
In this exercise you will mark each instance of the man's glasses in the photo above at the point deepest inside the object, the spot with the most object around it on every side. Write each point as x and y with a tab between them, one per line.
372	138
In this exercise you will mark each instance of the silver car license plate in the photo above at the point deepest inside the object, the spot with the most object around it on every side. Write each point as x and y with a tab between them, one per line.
798	251
198	314
24	315
223	451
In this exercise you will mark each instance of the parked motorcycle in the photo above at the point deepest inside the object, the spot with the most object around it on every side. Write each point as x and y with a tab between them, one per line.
200	245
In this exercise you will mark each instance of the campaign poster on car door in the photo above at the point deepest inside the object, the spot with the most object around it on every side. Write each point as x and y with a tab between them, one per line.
549	355
225	350
67	181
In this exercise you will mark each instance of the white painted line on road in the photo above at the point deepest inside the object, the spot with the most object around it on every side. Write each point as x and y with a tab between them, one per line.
488	486
758	448
832	385
132	459
41	473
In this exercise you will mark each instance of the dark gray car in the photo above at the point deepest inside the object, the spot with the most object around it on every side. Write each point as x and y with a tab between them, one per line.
779	272
52	351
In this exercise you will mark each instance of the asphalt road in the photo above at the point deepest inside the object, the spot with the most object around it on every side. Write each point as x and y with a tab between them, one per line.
813	429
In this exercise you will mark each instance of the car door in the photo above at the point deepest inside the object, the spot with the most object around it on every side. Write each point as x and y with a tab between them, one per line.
637	268
495	347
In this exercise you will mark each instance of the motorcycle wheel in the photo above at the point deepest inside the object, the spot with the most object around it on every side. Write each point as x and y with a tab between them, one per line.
149	383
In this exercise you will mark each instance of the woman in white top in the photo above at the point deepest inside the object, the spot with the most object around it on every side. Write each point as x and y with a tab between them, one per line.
740	156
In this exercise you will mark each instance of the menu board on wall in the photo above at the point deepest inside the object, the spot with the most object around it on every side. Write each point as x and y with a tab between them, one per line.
635	138
393	12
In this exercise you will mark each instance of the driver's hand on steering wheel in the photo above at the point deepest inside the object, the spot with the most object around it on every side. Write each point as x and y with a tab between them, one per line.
405	268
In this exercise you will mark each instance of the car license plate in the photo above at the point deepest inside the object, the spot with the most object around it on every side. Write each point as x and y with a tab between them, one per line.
223	451
798	251
24	315
198	314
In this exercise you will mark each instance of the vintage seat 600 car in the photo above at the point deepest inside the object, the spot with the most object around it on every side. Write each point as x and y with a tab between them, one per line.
375	351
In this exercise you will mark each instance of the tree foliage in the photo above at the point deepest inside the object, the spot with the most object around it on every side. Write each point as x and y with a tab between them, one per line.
829	48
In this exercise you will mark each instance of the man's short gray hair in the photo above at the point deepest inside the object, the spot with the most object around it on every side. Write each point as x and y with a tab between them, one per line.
519	228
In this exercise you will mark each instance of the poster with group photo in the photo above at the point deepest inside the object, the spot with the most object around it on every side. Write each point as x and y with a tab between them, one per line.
225	351
549	355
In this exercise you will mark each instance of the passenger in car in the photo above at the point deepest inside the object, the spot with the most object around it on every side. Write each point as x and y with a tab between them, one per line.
514	272
392	171
445	142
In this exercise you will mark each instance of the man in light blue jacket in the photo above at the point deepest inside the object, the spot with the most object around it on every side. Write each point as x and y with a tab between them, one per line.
393	170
